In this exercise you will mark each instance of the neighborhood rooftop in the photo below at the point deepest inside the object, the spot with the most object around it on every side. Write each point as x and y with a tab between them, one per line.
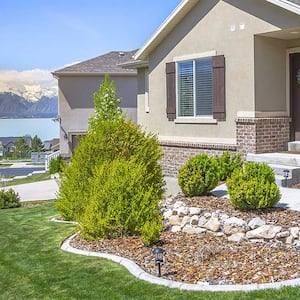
103	64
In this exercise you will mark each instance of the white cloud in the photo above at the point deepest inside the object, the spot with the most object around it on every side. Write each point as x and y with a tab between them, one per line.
31	84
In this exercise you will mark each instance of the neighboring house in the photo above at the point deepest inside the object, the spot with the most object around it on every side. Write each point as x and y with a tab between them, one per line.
77	85
221	75
8	144
51	145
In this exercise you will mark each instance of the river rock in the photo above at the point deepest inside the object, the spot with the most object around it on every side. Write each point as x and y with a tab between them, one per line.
194	220
236	237
193	230
175	220
195	211
256	222
264	232
213	224
235	222
183	211
295	232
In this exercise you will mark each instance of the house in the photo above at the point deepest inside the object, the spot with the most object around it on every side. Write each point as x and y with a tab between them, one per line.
221	75
76	87
51	145
7	144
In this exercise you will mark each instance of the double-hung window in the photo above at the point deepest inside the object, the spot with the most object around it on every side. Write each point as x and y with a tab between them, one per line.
195	88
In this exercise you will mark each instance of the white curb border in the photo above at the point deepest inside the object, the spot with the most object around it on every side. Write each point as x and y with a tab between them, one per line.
136	271
54	219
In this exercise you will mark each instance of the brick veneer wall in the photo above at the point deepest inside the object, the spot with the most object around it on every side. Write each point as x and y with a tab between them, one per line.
260	135
177	153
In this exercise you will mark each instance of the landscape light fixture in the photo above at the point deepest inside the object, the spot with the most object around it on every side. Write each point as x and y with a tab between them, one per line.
159	258
286	176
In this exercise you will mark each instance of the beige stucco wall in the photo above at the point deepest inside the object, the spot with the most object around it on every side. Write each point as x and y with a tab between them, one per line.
229	28
76	103
270	75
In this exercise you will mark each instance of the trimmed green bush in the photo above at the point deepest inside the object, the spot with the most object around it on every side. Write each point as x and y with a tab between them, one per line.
253	187
9	199
199	175
228	163
121	201
56	165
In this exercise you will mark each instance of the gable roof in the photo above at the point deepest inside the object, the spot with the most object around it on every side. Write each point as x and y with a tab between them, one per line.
181	11
104	64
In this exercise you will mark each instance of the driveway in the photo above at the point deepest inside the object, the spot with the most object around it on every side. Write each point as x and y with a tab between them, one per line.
42	190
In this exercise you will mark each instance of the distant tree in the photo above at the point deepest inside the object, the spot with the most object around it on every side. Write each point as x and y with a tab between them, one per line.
37	144
21	148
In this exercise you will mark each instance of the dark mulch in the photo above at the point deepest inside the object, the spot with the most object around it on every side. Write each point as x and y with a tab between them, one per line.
211	258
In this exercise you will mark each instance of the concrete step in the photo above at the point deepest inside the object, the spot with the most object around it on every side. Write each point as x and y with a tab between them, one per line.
294	146
280	162
281	181
286	159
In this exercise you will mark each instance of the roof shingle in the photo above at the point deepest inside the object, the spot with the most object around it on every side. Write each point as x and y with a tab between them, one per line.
103	64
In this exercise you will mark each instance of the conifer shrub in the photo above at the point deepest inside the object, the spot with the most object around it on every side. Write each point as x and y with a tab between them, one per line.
228	163
121	201
113	145
9	199
199	175
253	187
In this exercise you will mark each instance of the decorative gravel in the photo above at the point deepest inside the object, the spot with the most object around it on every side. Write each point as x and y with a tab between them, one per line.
209	257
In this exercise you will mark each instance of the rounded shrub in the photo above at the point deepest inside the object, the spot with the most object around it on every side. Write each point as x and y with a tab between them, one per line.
122	202
253	187
9	199
228	163
56	165
199	175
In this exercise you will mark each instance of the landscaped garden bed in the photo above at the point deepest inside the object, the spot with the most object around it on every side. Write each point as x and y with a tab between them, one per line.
210	257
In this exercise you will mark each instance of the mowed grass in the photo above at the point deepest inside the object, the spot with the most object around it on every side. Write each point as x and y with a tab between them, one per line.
29	179
32	266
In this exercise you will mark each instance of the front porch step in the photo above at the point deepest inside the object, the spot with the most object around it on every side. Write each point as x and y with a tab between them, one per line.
294	146
280	162
286	159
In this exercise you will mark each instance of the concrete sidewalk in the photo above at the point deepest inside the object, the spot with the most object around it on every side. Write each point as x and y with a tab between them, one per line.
48	189
290	198
42	190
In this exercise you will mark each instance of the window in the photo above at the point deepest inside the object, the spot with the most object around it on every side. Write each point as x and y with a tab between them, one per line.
195	88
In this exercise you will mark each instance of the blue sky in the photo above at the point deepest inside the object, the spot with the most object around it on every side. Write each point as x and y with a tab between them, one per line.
49	34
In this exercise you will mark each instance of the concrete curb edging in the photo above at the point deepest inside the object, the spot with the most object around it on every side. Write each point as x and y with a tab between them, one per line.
54	219
136	271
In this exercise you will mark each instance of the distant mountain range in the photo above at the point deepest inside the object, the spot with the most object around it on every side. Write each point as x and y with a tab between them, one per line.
16	107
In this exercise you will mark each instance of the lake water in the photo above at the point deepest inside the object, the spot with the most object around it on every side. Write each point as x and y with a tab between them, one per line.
45	129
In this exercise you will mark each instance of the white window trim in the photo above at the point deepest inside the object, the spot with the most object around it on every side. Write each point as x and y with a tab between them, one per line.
195	56
147	106
195	119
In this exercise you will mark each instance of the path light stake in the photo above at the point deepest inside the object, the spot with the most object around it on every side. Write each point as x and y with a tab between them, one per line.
158	253
286	175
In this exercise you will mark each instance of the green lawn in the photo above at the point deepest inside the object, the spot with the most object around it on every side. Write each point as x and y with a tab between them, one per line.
32	266
29	179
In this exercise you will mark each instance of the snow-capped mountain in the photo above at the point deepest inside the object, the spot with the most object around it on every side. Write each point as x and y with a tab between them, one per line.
28	94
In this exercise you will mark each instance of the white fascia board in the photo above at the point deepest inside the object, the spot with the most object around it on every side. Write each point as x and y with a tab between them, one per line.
161	28
291	6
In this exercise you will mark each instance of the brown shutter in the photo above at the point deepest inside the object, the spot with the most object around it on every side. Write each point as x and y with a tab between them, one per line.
171	90
218	63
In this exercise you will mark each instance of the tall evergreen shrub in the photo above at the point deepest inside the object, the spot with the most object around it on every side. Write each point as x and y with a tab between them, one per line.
110	137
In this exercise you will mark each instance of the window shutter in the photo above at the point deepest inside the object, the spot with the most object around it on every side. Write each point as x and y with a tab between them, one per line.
171	90
218	63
